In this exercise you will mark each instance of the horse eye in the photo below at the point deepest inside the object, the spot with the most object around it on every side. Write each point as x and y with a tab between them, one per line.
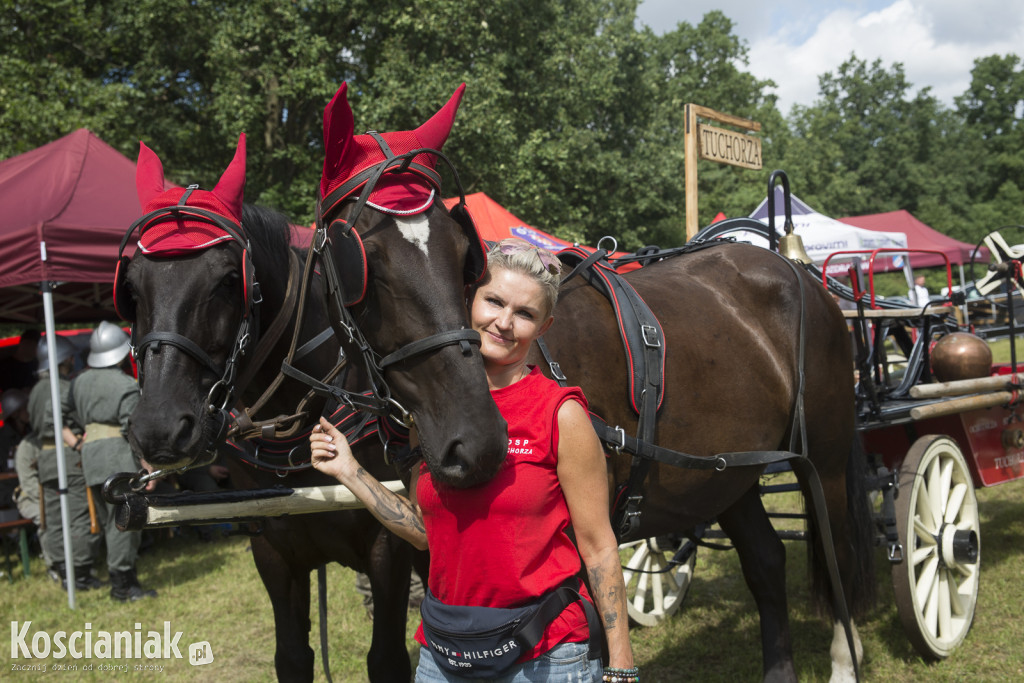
230	281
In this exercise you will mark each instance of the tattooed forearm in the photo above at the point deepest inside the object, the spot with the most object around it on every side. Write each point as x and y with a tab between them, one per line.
607	595
391	509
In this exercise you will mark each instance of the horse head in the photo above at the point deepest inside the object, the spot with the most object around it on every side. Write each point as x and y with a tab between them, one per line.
397	265
189	292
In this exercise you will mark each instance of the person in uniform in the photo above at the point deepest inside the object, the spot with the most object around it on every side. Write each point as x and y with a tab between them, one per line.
102	398
14	411
38	451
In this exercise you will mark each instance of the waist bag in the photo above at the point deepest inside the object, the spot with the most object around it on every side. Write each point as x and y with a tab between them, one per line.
483	642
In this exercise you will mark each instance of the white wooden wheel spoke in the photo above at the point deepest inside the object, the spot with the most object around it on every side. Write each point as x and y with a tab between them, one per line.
936	585
655	584
956	501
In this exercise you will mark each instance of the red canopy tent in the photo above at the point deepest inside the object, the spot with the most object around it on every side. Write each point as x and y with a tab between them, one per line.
495	223
919	236
65	208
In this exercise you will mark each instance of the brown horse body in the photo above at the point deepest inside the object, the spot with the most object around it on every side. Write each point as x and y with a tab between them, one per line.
732	318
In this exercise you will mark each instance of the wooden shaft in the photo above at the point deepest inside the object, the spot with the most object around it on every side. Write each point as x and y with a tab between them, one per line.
94	525
960	387
300	501
959	405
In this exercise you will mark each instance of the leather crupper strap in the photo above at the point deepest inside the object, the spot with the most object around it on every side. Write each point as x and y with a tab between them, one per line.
644	451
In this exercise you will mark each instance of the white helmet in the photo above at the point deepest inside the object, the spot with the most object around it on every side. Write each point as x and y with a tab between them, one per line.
108	346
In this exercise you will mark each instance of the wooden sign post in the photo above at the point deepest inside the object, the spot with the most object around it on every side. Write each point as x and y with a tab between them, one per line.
715	144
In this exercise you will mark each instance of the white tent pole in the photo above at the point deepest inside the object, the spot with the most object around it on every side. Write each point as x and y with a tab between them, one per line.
963	288
58	426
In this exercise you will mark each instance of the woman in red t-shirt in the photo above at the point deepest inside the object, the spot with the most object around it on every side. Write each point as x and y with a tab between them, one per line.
506	543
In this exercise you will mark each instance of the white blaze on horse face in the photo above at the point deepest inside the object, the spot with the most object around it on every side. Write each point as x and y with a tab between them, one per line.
416	229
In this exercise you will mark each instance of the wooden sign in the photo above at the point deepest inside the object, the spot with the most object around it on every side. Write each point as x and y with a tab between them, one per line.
715	144
728	147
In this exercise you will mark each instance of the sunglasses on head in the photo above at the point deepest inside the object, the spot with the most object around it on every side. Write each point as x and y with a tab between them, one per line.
547	259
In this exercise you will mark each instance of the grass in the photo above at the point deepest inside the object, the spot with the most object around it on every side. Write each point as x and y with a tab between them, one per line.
1001	350
211	592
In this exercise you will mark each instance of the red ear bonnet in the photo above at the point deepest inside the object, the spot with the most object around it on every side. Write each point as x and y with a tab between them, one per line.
171	236
346	155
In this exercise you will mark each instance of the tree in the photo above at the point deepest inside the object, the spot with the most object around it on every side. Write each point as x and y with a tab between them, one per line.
994	137
865	146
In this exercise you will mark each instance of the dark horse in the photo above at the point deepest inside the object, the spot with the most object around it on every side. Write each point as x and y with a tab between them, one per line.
734	319
200	296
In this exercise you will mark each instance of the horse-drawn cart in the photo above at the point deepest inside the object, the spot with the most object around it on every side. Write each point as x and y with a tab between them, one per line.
936	419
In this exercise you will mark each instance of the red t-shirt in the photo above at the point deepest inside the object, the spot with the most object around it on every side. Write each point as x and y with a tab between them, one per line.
504	543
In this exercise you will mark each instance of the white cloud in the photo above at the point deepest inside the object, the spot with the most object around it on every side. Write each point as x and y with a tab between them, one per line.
793	43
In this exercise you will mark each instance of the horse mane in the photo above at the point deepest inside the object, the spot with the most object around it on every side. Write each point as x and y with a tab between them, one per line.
270	236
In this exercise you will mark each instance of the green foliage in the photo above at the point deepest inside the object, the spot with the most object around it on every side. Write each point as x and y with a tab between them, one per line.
573	118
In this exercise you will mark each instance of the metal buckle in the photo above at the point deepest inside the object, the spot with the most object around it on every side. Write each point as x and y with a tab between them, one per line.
895	553
622	440
556	371
650	335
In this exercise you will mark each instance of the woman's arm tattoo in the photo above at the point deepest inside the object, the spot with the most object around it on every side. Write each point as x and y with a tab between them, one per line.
391	507
606	595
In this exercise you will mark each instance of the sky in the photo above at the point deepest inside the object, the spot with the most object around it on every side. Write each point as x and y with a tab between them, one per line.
793	42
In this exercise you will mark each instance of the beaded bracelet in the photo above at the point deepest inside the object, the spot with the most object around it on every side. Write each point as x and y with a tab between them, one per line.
612	675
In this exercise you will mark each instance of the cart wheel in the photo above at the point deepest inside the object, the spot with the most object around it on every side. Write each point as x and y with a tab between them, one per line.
936	584
656	582
1005	247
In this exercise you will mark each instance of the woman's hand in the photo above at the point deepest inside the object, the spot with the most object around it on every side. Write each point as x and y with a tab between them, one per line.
331	453
332	456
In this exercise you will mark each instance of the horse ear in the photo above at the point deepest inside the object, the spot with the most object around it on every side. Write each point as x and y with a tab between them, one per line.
231	185
339	126
149	175
435	131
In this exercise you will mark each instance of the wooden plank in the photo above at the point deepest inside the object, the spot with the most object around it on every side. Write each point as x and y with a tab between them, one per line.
875	313
301	501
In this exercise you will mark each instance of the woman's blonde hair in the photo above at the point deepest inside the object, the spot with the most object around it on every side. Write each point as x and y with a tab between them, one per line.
520	256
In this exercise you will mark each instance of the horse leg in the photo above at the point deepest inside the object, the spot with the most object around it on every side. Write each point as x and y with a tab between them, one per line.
288	588
390	564
842	663
763	559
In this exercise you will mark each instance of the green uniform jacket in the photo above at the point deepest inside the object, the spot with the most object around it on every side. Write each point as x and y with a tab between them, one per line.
40	416
105	396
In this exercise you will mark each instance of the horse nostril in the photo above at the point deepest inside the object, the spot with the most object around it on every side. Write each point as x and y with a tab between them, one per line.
182	437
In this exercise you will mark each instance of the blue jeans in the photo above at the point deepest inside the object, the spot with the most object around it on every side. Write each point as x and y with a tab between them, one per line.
565	663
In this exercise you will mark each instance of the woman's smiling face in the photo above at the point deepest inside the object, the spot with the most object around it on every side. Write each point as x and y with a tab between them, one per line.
509	311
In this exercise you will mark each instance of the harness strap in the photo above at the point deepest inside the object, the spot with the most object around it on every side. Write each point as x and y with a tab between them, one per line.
464	338
284	426
642	338
617	439
181	342
274	332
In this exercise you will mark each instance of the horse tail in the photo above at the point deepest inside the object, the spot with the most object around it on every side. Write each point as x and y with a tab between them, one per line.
855	550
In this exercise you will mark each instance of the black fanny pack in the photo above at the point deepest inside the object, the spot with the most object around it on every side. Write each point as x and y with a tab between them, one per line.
483	642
